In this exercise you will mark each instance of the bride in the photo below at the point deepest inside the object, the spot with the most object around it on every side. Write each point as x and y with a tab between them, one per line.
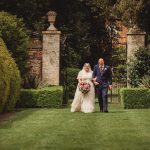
84	102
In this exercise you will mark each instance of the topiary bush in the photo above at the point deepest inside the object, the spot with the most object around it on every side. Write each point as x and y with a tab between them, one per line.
72	81
48	97
9	80
135	98
13	32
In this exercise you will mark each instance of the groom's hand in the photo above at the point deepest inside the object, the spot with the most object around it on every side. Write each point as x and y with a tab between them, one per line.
96	83
110	87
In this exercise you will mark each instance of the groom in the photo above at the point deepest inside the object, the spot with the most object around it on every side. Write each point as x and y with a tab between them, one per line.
102	77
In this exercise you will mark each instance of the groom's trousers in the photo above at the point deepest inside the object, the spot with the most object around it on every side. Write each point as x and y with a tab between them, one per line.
103	98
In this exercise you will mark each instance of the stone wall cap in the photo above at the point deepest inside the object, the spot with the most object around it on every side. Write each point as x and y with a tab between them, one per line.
51	32
136	31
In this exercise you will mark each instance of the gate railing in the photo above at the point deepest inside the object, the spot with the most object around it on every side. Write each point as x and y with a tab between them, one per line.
114	95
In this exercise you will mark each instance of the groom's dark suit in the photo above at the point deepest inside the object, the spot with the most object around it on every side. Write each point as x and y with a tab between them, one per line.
104	78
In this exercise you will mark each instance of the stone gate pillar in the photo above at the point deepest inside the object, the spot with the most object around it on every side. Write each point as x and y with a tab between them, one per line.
135	40
51	53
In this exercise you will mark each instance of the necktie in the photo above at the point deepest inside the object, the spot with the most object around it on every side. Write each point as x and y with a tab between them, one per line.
101	68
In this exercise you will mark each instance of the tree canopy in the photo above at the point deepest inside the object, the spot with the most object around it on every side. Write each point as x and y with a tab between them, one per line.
14	34
82	22
82	30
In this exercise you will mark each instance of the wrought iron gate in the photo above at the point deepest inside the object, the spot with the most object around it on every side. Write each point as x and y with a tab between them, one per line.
119	69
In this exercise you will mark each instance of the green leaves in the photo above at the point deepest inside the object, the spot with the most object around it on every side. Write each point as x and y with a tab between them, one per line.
48	97
14	35
102	7
145	83
71	80
139	67
132	98
9	80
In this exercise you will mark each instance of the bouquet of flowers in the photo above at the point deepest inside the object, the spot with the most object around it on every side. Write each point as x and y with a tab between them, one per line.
84	87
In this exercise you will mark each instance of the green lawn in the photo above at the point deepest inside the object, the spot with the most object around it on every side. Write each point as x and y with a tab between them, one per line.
58	129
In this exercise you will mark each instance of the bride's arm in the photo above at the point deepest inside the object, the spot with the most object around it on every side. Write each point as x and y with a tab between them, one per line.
79	78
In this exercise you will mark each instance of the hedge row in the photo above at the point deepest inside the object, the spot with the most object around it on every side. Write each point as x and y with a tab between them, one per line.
49	97
9	80
71	81
135	98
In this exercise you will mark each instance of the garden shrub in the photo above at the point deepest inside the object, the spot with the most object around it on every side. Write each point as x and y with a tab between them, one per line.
13	32
48	97
145	83
9	80
72	80
139	67
31	81
135	97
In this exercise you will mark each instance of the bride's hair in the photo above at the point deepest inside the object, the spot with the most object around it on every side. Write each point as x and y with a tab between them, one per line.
87	64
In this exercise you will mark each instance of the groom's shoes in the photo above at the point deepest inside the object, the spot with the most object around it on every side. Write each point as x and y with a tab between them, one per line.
106	111
103	111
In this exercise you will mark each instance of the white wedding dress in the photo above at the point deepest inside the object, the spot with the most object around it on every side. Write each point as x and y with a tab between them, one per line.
84	102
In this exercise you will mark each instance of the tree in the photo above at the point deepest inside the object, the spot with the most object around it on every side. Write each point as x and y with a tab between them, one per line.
128	11
32	11
83	29
82	35
143	18
13	32
101	7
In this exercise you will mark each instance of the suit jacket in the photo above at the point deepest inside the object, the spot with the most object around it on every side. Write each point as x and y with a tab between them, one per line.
104	77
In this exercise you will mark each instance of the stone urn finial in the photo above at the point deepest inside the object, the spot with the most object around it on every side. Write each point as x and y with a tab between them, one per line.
51	19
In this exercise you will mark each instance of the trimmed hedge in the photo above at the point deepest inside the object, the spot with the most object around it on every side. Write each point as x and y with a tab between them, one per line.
135	98
9	80
48	97
72	80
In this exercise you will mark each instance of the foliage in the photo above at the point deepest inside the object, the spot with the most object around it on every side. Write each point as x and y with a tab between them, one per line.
119	63
135	12
128	11
9	80
82	31
28	99
82	22
63	82
32	11
72	80
49	97
135	98
139	67
31	82
131	12
101	7
82	35
13	32
145	83
144	17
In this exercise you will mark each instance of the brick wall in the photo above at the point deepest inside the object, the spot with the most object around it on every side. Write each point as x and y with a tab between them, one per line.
35	57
